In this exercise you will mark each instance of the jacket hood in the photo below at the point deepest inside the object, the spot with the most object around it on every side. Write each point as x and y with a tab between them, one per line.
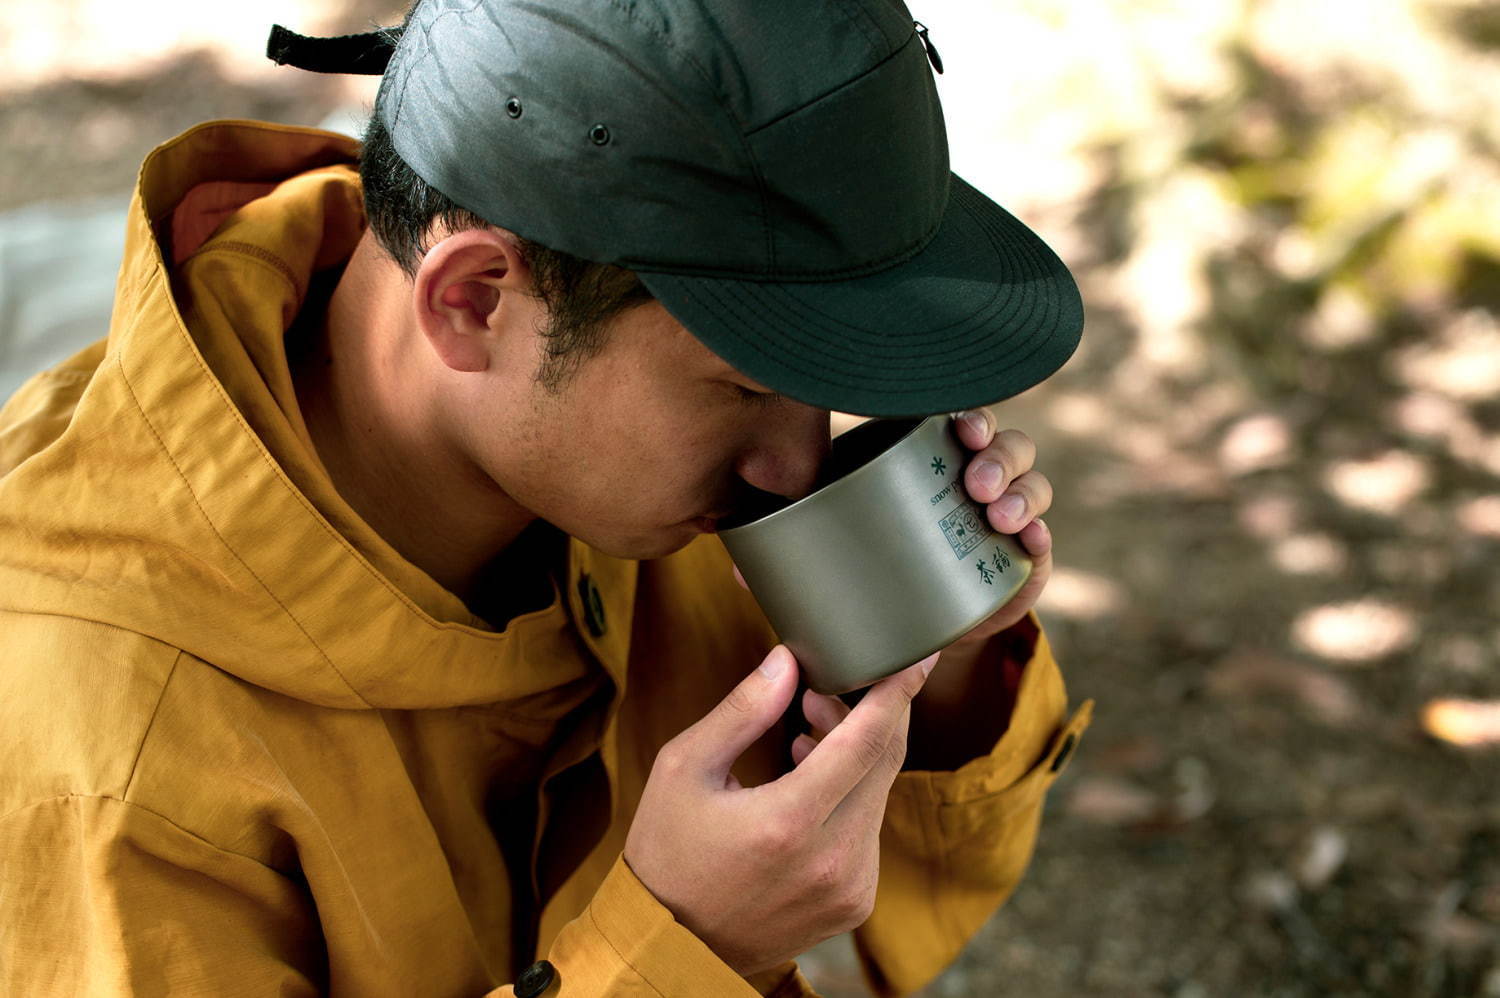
163	481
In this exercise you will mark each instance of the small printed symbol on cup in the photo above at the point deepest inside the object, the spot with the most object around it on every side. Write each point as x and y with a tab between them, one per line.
986	573
939	466
964	530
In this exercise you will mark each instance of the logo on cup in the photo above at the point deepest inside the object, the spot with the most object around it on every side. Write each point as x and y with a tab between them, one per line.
965	529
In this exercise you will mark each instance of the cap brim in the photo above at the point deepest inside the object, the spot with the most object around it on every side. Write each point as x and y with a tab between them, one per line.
983	312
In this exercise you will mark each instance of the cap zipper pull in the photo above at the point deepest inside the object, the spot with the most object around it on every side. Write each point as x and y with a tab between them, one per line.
932	52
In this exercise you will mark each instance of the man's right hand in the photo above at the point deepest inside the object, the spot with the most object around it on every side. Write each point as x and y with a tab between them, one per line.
762	874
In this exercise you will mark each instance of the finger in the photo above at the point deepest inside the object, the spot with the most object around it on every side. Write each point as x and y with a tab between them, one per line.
802	746
751	708
975	428
1009	456
857	744
863	806
1036	538
823	712
1027	498
740	578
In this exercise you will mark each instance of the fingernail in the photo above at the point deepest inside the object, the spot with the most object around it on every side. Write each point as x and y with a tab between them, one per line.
987	475
976	422
775	662
1013	508
928	663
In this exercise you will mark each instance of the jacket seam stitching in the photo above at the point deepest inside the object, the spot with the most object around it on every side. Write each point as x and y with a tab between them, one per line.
253	252
56	798
125	378
938	872
740	133
783	116
150	724
614	949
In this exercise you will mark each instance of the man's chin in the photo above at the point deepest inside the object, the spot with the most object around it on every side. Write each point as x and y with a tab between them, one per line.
645	547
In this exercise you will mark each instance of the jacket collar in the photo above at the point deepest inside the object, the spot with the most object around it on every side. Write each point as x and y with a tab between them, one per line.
333	613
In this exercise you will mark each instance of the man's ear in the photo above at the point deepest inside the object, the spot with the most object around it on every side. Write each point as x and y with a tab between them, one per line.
462	288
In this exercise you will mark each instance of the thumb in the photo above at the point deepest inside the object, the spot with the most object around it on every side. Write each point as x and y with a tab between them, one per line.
744	715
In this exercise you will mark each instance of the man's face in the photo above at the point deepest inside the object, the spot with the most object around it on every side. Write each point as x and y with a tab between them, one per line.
649	436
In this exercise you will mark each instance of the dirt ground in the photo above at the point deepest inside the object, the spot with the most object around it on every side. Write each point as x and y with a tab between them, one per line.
1271	561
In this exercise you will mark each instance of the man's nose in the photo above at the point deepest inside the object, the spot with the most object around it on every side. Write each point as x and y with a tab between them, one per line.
788	452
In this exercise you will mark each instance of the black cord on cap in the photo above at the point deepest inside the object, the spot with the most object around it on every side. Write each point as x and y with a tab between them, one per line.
362	55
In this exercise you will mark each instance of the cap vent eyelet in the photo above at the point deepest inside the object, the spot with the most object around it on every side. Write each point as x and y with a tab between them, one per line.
599	135
513	107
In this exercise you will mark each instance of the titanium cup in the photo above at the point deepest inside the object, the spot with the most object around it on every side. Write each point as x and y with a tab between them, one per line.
887	561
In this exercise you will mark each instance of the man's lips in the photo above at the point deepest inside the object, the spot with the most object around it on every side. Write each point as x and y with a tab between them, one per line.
709	523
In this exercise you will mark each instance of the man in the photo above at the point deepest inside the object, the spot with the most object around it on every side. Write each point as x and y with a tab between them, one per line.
358	633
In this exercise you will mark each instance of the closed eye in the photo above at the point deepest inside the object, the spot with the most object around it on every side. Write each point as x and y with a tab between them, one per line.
757	398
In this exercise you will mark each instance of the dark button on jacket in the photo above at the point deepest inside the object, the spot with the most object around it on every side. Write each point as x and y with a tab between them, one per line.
535	980
593	606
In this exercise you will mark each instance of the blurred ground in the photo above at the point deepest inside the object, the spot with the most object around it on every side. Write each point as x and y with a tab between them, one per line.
1276	455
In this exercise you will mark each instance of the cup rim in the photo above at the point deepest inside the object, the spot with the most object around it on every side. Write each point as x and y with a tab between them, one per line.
832	486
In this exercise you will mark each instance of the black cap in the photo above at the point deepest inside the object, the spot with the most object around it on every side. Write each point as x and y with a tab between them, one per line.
776	172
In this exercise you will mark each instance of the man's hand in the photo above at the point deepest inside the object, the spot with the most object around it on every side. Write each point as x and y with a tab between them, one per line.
1014	494
762	874
967	705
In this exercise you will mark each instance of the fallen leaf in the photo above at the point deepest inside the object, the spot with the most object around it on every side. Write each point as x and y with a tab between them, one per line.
1326	696
1109	801
1470	723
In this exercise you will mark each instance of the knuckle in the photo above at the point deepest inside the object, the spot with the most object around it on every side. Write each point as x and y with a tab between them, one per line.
1020	447
868	749
827	875
1002	456
739	703
672	757
1024	488
895	753
1043	489
856	903
778	837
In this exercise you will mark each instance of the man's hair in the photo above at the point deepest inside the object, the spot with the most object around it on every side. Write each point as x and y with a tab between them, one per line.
580	296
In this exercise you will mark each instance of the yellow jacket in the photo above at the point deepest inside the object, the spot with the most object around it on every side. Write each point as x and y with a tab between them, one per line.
249	749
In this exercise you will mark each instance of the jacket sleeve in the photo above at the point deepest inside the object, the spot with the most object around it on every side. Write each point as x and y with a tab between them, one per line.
626	943
99	896
955	844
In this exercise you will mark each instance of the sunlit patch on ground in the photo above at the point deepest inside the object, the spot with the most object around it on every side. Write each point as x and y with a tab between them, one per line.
1270	515
1383	484
1424	414
1081	595
1342	319
1481	516
1256	443
1310	554
1463	362
1080	415
1355	633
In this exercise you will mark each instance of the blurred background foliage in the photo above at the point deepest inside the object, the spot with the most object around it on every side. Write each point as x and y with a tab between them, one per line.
1276	454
